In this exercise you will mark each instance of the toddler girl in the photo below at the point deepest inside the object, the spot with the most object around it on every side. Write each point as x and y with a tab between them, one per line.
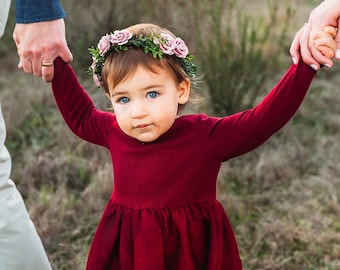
163	213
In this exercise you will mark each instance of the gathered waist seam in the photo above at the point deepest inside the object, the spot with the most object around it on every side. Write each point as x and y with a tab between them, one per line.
198	203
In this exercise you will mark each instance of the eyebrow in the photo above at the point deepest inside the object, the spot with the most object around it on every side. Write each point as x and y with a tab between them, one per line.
120	93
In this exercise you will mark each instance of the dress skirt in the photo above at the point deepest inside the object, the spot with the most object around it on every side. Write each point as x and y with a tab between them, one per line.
193	237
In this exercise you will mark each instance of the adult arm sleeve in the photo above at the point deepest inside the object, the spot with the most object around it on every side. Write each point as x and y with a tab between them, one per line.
30	11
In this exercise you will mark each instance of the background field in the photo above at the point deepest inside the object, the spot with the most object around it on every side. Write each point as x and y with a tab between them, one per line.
282	199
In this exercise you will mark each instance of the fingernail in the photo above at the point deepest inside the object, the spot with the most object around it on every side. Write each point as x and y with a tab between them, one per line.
294	61
337	54
327	65
313	66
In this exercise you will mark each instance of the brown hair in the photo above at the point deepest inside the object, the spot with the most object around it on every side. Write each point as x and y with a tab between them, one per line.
119	66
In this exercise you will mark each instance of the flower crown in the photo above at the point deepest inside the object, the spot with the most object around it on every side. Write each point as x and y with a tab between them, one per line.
157	44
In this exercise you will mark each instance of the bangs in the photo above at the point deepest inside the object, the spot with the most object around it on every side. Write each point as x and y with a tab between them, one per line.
119	66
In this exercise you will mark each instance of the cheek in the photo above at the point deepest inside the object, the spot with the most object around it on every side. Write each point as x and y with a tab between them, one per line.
167	113
123	123
120	114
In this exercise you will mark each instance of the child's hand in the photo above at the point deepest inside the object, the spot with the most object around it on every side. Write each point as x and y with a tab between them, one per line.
325	41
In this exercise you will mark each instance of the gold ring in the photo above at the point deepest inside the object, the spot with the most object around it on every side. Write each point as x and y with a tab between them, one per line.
48	64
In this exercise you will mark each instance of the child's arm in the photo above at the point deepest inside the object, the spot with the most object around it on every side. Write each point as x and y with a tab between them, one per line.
77	108
240	133
247	130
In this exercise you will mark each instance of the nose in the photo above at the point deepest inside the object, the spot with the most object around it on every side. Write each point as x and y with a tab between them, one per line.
139	109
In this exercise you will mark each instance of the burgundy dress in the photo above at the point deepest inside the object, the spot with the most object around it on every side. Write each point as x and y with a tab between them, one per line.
163	213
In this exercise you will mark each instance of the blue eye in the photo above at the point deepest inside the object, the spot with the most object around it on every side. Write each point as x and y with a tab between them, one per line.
123	100
152	94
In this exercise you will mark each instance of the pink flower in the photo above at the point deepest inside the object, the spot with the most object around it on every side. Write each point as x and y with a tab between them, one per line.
166	43
94	63
97	80
181	50
120	37
104	44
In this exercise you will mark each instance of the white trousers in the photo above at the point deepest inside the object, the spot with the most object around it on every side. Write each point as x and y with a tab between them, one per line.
20	245
4	9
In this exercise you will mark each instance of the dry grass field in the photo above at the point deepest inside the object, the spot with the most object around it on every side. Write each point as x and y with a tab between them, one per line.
283	199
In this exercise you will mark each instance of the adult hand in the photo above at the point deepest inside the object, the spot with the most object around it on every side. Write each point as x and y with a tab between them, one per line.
327	13
39	44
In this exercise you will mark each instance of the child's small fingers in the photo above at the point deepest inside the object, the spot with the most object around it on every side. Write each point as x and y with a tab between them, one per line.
320	34
320	57
331	30
326	51
326	41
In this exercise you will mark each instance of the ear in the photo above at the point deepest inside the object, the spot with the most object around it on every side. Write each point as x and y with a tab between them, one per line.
183	91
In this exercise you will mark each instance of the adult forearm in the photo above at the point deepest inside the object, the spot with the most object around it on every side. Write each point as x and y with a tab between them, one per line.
29	11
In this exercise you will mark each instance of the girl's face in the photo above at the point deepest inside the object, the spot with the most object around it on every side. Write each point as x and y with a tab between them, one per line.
146	103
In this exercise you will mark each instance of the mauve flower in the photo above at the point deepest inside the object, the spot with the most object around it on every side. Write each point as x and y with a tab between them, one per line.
165	36
94	63
97	80
166	43
120	37
104	44
181	50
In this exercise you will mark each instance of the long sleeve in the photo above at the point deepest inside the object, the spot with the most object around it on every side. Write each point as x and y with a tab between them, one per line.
242	132
29	11
76	107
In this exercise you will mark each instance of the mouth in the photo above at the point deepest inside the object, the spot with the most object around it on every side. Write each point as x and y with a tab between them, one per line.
141	126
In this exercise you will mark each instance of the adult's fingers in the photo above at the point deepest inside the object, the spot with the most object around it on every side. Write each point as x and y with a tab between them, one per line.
337	52
41	43
47	70
337	40
306	50
295	47
66	55
26	65
29	60
36	64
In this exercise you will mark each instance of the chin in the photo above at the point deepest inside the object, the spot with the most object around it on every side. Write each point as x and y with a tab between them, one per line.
146	139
